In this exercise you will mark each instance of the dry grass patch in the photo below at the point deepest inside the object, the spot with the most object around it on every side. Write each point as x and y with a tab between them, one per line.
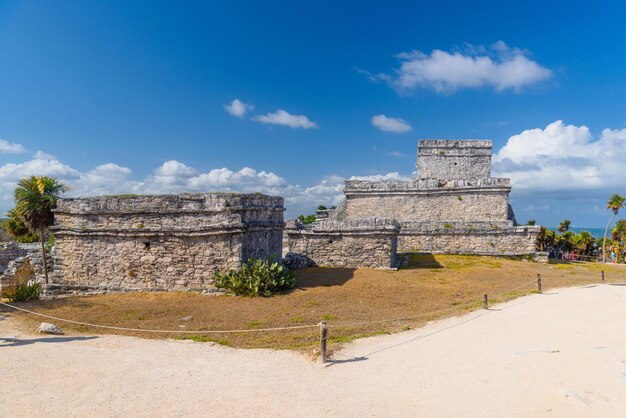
431	287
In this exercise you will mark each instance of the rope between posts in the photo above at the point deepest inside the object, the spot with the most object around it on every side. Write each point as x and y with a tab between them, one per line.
452	308
234	331
158	330
517	288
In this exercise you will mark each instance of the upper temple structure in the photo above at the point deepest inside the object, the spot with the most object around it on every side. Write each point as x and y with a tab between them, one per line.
452	206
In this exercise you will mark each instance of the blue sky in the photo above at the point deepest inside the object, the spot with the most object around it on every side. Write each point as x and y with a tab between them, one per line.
132	96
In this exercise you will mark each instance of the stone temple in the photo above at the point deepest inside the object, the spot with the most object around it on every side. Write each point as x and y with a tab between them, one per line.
177	242
452	206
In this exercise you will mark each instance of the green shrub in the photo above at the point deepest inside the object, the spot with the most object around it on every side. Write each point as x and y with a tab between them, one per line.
24	293
256	277
308	219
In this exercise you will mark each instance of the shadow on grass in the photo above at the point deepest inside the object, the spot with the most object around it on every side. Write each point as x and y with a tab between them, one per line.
16	342
322	276
421	261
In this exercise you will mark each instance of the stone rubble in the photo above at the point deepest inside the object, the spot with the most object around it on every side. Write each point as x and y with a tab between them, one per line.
46	328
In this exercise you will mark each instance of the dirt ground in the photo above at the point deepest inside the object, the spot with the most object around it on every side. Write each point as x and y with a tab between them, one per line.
558	354
431	287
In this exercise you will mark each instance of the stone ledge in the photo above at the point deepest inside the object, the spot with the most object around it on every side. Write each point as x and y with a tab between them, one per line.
372	226
454	143
437	230
218	230
426	186
174	203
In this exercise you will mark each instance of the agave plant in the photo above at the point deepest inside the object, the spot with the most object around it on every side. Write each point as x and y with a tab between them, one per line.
256	277
35	197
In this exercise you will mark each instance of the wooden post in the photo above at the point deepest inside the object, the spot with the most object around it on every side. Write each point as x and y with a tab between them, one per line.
486	302
323	336
539	282
603	276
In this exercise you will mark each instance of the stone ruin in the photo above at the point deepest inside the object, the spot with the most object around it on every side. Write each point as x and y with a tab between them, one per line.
19	264
452	206
177	242
167	242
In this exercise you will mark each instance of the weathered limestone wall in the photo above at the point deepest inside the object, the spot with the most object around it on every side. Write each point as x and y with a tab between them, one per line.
434	200
470	239
161	242
453	206
454	159
9	252
21	263
363	243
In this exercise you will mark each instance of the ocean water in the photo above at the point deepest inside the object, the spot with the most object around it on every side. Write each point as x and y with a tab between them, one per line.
597	233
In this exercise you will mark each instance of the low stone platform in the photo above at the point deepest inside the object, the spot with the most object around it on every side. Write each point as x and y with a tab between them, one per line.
370	243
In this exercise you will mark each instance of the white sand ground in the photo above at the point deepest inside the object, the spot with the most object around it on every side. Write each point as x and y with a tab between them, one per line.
558	354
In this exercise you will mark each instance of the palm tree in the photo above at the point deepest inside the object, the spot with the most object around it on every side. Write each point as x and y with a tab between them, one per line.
35	197
542	239
584	242
618	233
17	229
615	203
564	225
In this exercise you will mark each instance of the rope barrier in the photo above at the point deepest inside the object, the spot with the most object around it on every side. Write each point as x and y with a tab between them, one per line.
234	331
178	331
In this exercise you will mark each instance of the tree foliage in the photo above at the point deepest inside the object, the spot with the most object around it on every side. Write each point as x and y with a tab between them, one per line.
307	219
618	233
615	204
17	229
564	225
35	197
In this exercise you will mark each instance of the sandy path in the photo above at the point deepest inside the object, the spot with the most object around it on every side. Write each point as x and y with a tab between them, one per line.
558	354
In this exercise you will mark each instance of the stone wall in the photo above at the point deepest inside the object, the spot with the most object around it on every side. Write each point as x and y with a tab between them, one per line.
168	242
454	200
453	206
367	243
9	252
21	263
454	159
469	239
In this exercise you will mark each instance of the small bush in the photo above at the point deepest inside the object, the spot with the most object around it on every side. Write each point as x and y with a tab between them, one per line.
308	219
24	293
256	277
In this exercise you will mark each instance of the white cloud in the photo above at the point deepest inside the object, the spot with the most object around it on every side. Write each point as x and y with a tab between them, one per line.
40	155
388	124
105	179
497	66
376	177
396	154
7	147
328	192
281	117
564	159
238	108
